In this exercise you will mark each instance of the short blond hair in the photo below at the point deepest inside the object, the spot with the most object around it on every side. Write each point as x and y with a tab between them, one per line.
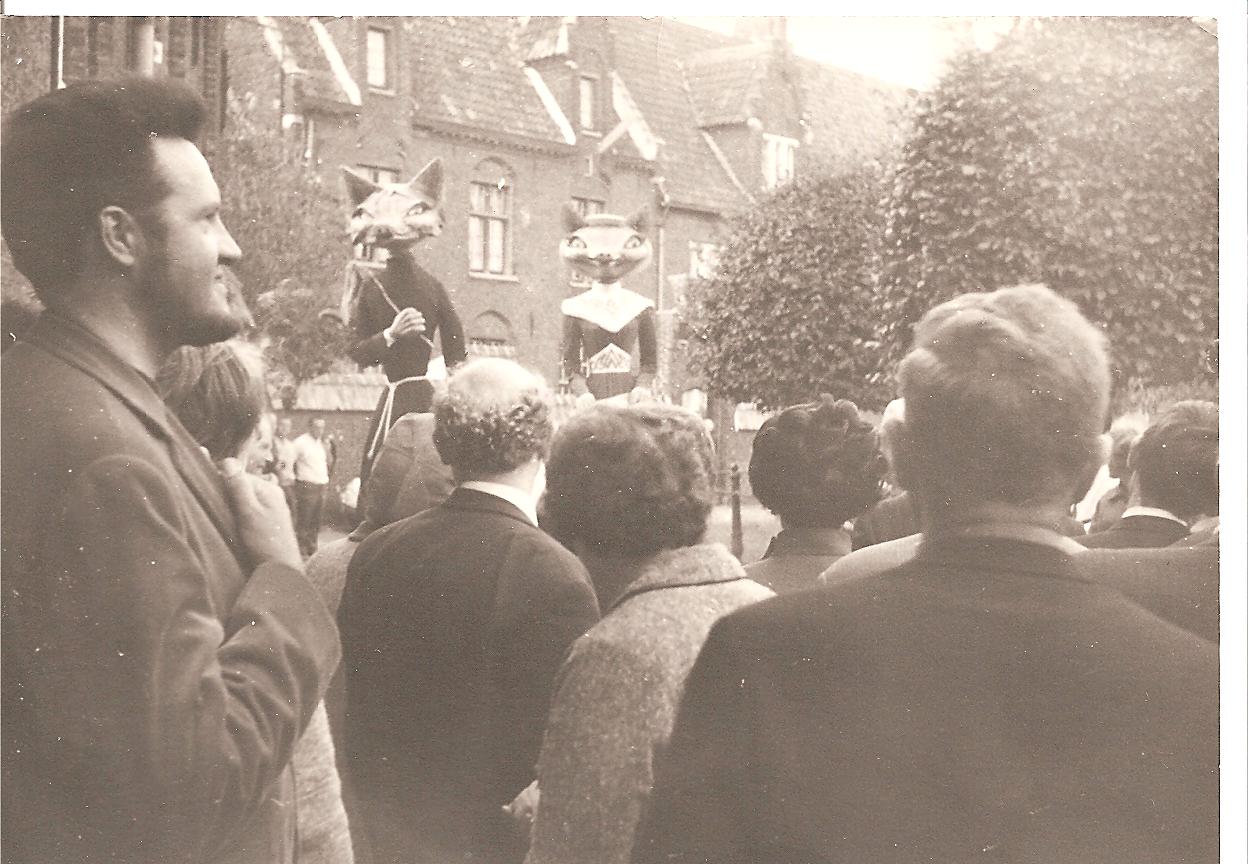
1006	396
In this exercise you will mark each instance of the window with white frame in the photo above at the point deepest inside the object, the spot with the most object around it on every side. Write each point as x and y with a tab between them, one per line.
778	152
378	58
489	222
585	207
702	259
589	87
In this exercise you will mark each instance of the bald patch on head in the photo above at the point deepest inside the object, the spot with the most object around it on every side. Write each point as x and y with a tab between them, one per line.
492	383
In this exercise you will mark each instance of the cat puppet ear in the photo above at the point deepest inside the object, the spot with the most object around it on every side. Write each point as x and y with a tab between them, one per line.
429	181
359	187
640	220
572	219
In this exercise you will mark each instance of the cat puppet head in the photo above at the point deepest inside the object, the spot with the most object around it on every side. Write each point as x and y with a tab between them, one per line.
604	247
396	215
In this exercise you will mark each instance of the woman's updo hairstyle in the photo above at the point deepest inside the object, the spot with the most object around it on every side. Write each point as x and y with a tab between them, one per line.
818	464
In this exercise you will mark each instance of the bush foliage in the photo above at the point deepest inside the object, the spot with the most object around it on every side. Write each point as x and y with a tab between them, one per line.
291	228
1082	153
789	312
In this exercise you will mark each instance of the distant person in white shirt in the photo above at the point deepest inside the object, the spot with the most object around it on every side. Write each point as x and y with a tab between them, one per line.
312	466
282	465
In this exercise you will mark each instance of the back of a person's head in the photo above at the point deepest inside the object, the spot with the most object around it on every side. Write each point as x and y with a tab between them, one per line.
74	151
493	418
407	477
218	392
1006	396
1175	461
630	481
818	464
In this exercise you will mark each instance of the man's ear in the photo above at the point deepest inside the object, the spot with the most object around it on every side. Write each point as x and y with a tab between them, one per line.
120	235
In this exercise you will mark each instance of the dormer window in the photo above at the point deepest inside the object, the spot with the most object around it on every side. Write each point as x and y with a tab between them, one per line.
588	106
379	59
778	154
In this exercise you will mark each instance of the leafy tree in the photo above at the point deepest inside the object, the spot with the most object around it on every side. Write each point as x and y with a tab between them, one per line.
788	313
290	226
1080	152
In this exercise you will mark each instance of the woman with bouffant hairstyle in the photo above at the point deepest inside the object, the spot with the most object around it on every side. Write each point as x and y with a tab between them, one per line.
629	490
816	466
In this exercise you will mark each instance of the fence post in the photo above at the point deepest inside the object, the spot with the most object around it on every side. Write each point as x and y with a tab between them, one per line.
738	538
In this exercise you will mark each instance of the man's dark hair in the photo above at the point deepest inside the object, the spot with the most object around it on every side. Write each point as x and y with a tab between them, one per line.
1176	461
818	464
72	152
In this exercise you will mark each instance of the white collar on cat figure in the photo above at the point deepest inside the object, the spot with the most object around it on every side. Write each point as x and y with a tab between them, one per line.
610	306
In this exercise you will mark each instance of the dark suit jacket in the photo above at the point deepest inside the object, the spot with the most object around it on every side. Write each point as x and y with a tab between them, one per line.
1136	532
981	703
454	623
154	682
1177	583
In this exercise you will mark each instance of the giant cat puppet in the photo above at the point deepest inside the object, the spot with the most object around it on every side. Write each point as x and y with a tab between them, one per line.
609	349
398	310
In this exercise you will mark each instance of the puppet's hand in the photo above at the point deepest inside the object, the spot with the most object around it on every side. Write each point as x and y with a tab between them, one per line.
585	399
408	322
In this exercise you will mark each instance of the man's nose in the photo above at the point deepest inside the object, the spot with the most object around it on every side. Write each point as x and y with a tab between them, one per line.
227	250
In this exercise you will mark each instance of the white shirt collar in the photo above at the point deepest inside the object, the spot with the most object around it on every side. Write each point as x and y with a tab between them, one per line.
1152	511
523	501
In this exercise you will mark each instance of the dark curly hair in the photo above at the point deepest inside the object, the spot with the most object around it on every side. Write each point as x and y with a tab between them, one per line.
817	464
494	417
630	481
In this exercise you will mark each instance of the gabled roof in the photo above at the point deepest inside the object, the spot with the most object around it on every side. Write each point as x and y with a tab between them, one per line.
294	44
470	72
725	82
648	55
852	118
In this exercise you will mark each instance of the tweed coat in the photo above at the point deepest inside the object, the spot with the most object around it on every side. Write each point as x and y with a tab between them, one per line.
454	624
155	680
616	698
984	702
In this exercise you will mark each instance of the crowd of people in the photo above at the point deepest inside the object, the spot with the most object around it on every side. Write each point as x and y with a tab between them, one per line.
527	651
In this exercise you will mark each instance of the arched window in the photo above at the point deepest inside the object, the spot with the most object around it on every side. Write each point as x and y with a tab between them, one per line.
489	335
489	220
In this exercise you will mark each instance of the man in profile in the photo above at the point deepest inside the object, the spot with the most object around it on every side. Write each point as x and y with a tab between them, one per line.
984	701
454	623
162	648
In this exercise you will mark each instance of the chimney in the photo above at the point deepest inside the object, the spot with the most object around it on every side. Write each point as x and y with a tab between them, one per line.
762	28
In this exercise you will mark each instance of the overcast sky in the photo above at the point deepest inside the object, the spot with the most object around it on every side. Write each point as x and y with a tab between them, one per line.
903	50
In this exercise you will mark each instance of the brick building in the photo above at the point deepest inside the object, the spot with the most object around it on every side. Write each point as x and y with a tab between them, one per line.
526	114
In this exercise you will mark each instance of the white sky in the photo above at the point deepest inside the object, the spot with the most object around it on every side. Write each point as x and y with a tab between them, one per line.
902	50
